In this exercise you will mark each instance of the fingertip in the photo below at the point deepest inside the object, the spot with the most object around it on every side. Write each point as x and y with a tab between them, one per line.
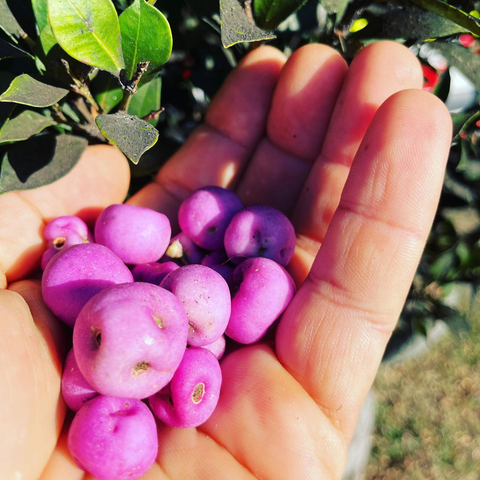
407	68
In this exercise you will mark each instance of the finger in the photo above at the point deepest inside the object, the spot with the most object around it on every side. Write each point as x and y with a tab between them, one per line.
375	74
284	423
100	178
301	108
216	153
31	361
334	333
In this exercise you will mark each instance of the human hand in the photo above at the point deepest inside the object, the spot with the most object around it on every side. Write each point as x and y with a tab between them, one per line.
286	134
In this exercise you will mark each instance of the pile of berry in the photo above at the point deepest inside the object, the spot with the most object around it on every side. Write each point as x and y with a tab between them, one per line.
155	329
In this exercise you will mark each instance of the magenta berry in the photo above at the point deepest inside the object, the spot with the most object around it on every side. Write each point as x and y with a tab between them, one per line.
205	215
75	389
260	231
153	272
63	232
206	298
217	347
261	291
75	275
113	438
192	395
129	339
136	234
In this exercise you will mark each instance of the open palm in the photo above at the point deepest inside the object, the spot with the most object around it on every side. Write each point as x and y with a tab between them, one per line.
355	156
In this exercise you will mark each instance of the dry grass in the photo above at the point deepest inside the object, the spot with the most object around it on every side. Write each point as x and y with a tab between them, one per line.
428	414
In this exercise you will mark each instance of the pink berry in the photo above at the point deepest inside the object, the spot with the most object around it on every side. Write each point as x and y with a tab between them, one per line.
75	389
129	339
76	274
192	395
260	231
261	291
136	234
217	347
113	438
206	213
206	298
63	232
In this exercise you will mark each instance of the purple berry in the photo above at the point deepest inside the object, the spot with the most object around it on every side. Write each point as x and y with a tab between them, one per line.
75	389
129	339
113	438
63	232
136	234
205	215
192	395
184	249
261	291
218	261
206	298
76	274
260	231
217	347
153	272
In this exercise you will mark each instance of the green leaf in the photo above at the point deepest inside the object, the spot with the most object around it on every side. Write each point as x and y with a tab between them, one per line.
130	134
25	125
456	15
459	120
469	165
146	100
8	23
443	88
106	91
27	91
462	58
146	36
39	161
237	27
47	40
7	50
41	13
89	31
270	13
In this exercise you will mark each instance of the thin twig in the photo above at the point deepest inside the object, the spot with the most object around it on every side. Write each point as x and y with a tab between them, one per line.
81	88
130	86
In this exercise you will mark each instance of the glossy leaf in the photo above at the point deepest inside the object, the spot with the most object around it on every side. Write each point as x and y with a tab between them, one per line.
107	91
270	13
39	161
146	100
89	31
7	50
454	14
130	134
27	91
146	36
237	27
25	125
41	13
8	22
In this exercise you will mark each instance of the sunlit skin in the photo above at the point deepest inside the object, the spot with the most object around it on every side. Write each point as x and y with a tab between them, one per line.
285	133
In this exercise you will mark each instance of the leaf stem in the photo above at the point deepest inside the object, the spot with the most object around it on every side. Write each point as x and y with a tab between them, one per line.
130	86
